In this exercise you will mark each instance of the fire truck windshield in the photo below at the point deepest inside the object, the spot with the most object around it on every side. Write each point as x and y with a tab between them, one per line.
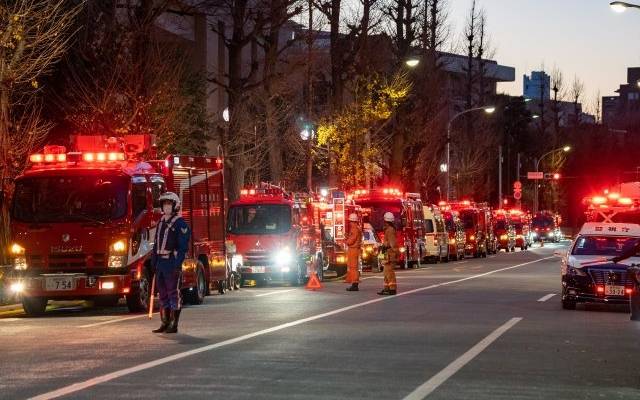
602	245
261	219
70	199
468	220
501	224
378	209
542	221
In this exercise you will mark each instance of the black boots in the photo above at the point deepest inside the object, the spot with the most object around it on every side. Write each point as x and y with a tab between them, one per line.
164	320
353	288
173	325
387	292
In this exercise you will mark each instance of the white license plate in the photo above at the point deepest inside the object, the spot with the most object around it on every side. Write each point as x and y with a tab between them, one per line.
258	270
614	290
60	283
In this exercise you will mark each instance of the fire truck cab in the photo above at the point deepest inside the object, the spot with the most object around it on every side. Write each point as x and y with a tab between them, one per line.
504	230
83	222
266	237
474	227
409	220
522	224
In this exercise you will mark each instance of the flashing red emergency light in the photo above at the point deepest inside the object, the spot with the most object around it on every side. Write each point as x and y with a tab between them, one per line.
556	176
600	289
49	158
36	158
598	200
625	201
103	157
614	196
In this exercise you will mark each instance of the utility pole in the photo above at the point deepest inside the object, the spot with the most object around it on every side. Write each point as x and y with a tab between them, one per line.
518	202
500	176
309	77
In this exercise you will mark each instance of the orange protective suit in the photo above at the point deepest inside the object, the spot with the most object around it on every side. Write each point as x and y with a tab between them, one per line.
354	249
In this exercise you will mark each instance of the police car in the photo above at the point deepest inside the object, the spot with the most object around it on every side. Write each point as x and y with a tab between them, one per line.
588	272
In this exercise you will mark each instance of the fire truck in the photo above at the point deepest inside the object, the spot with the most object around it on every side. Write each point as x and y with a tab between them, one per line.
409	220
475	227
522	224
269	239
334	211
504	230
83	222
546	226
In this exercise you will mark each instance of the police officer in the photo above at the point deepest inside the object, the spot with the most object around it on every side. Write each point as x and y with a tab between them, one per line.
390	246
354	247
169	251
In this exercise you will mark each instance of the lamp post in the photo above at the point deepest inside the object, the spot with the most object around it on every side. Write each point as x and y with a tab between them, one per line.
487	110
566	149
622	6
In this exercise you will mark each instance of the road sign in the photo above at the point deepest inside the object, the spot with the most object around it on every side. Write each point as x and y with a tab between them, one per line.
535	175
517	185
517	195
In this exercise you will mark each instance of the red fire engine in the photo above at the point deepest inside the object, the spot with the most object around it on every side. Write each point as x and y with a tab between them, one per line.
334	211
504	230
83	222
267	236
522	224
409	219
475	227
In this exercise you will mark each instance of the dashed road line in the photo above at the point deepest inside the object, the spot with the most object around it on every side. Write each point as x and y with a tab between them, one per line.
274	292
441	377
113	321
545	298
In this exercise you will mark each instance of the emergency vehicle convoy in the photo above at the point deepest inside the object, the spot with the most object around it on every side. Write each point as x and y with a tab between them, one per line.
504	230
474	223
409	220
266	239
83	222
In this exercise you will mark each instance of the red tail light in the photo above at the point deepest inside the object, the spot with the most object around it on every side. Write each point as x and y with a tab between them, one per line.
600	289
628	291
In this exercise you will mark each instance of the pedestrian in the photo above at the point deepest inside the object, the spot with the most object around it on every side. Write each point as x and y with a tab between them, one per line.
354	249
169	251
390	247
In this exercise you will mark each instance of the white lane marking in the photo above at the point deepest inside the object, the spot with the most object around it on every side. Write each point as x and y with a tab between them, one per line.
441	377
113	321
76	387
275	292
547	297
9	319
462	262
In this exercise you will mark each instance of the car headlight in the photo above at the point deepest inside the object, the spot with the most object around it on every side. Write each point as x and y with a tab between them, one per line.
16	249
283	257
119	247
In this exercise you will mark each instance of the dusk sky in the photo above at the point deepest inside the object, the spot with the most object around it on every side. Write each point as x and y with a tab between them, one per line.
583	37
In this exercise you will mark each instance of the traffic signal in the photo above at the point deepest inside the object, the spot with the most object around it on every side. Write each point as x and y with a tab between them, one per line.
555	176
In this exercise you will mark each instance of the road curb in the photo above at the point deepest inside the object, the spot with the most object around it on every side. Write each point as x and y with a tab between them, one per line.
11	307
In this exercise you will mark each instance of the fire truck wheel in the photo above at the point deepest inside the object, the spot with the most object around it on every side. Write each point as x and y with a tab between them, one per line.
34	306
196	295
138	300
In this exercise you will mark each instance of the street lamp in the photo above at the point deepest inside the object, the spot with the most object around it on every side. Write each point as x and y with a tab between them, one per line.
565	149
487	110
412	62
622	6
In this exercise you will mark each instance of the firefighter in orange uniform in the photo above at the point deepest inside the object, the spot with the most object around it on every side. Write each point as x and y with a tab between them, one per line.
354	249
390	246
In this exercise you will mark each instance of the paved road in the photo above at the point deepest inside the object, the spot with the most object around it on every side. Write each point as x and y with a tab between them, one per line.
476	329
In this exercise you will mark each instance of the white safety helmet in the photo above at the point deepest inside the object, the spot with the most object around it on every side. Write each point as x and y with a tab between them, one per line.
172	197
353	217
388	217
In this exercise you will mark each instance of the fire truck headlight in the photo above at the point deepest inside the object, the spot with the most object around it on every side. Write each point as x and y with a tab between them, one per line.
452	241
17	250
534	235
17	287
119	247
472	238
20	263
117	261
403	249
284	256
504	237
369	249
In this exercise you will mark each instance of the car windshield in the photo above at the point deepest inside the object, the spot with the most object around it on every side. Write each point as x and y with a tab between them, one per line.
542	221
70	199
259	219
602	245
377	211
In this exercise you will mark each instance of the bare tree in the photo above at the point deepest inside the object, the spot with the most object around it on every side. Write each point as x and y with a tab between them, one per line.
34	35
576	92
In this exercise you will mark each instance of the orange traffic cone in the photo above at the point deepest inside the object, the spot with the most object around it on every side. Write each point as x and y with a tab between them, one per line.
314	282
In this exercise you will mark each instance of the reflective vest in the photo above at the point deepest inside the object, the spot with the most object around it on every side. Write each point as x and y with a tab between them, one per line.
166	237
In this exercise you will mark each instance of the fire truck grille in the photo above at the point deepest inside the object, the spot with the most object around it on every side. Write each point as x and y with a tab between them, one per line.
68	262
257	258
606	277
